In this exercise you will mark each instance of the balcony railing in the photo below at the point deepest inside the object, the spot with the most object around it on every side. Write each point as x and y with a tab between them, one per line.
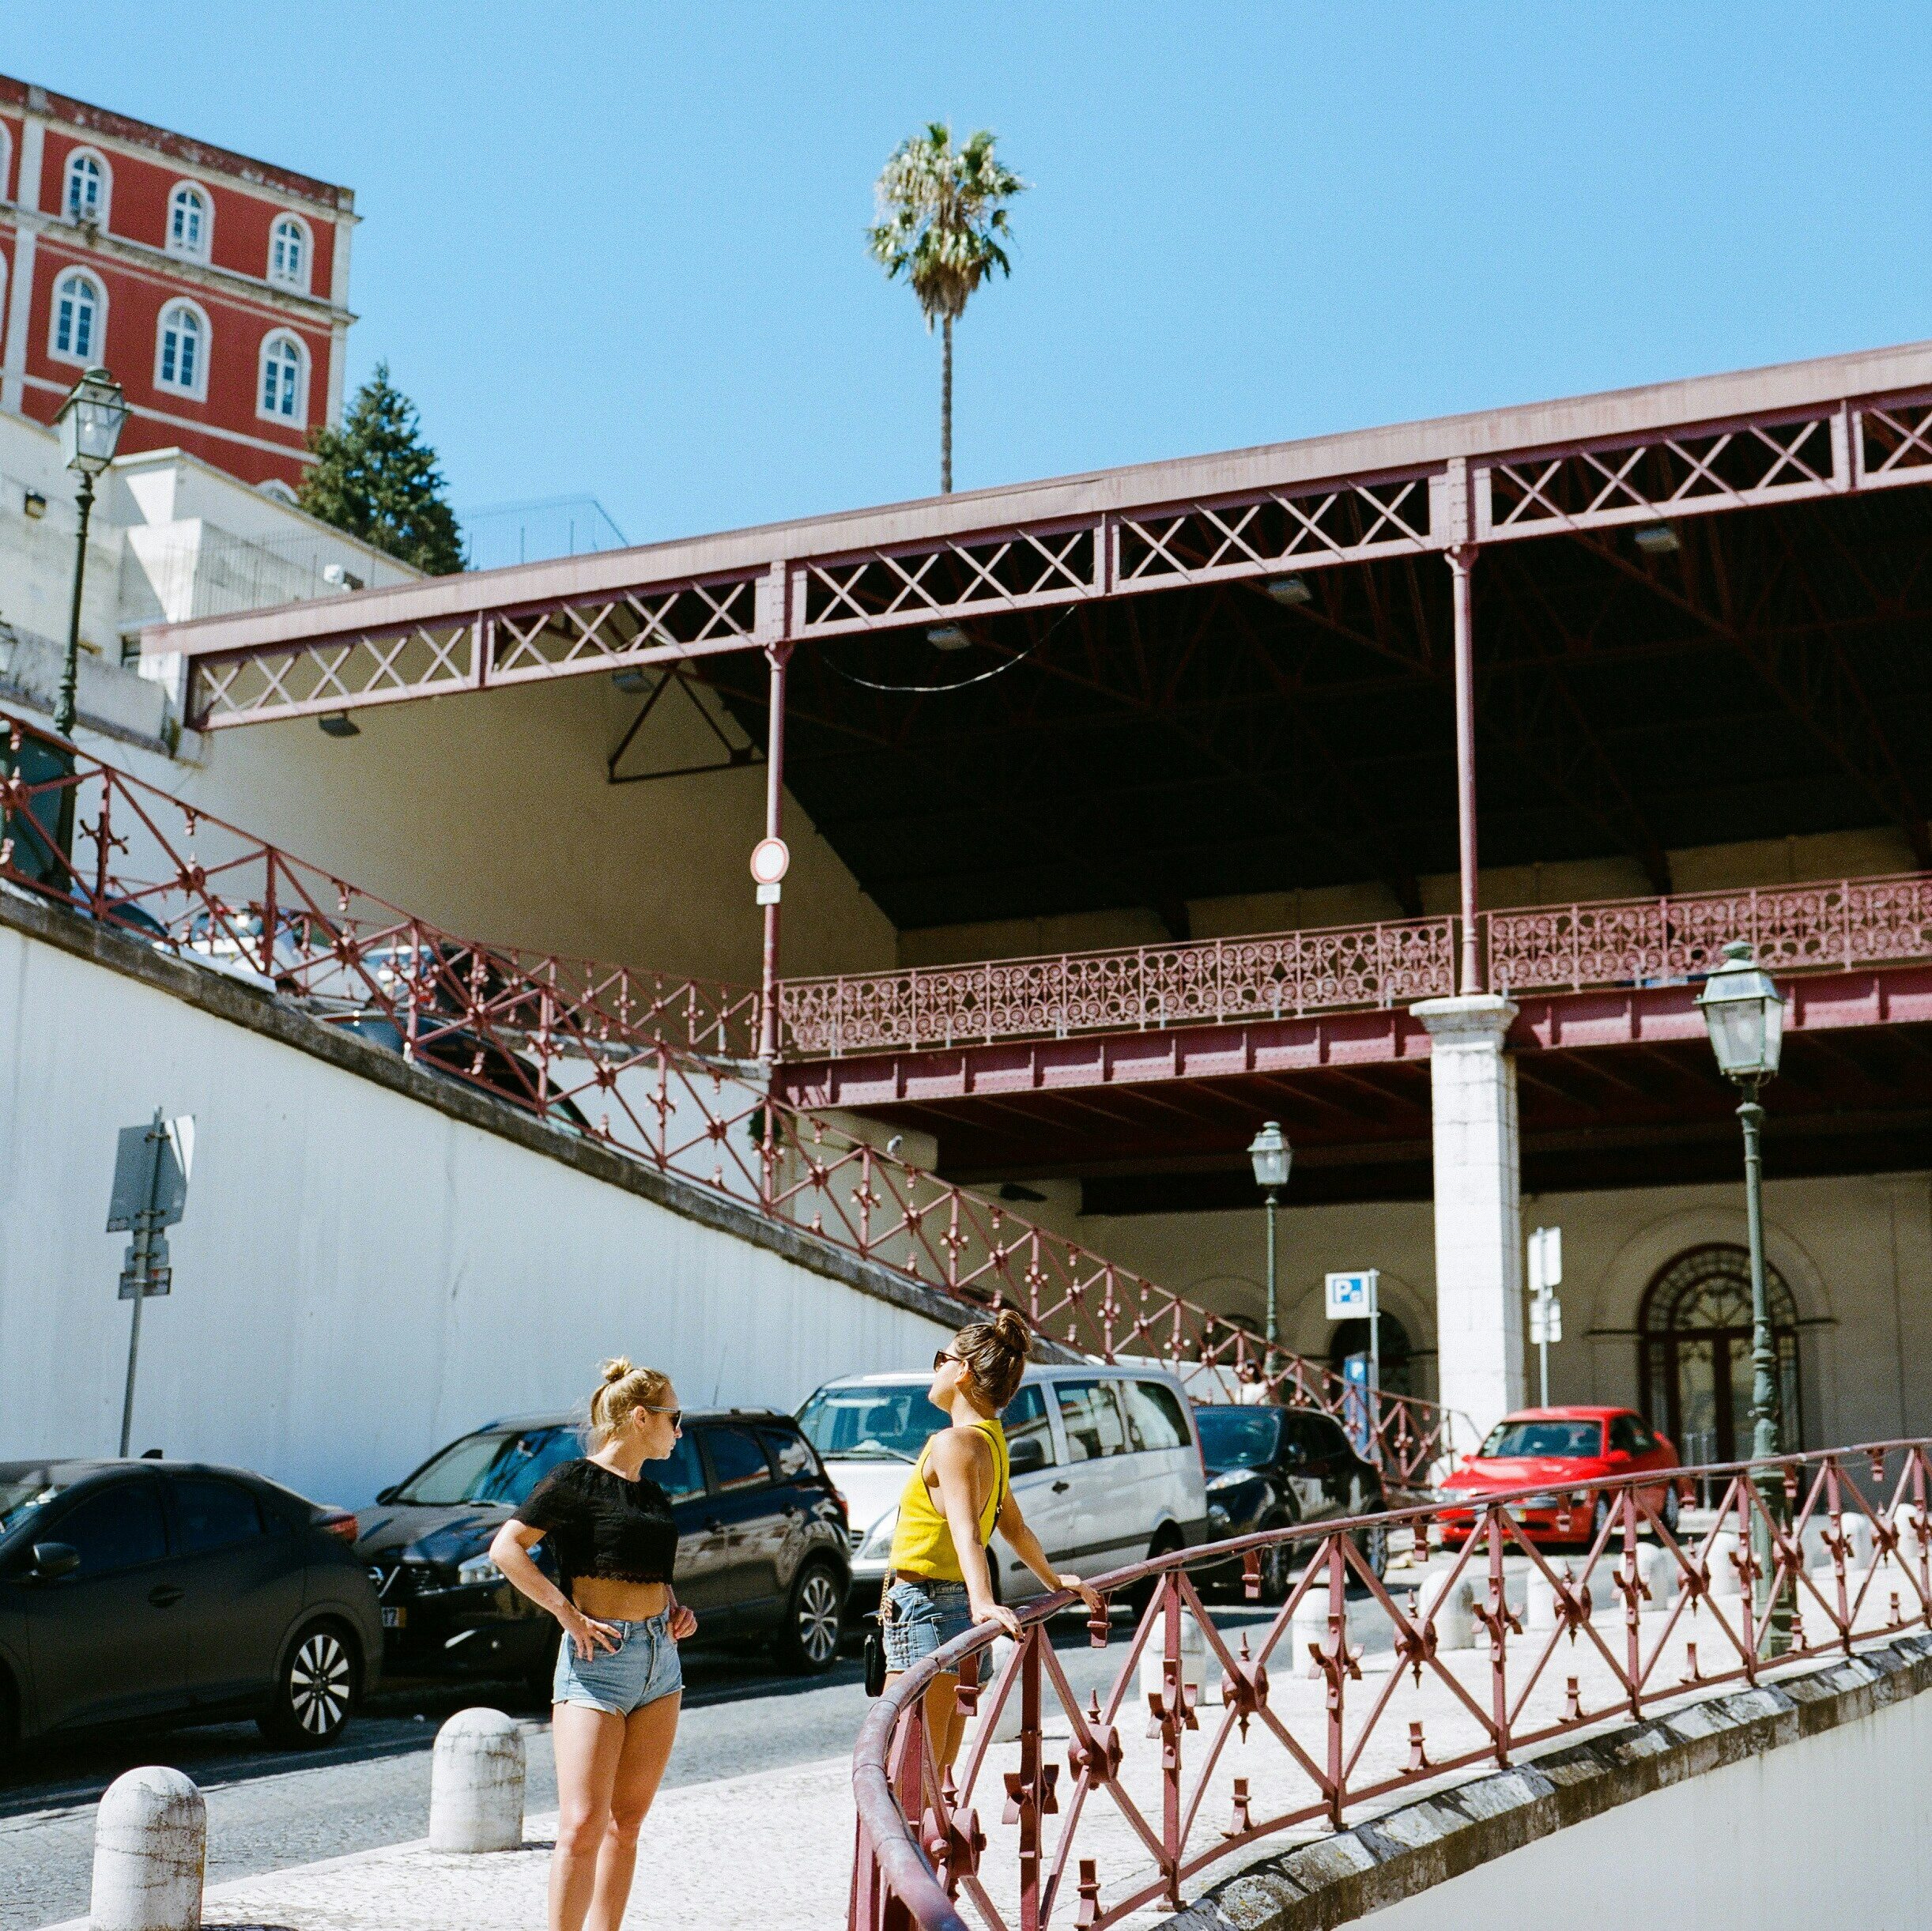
1207	1739
653	1068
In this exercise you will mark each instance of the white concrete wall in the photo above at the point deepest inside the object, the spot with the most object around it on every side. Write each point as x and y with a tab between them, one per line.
359	1277
1831	1830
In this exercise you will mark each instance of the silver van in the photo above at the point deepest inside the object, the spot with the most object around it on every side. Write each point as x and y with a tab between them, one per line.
1106	1464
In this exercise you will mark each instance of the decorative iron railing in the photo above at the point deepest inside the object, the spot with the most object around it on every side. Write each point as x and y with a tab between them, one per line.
1836	925
1129	989
1357	1688
652	1068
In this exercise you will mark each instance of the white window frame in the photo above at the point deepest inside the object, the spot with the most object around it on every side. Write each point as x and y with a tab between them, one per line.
308	235
194	251
93	353
197	390
7	165
299	419
107	186
277	491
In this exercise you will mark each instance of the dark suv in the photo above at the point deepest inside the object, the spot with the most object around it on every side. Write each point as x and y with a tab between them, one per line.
761	1545
1270	1468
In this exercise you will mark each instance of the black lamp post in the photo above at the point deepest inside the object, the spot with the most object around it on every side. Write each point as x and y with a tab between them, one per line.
90	423
1744	1012
1271	1156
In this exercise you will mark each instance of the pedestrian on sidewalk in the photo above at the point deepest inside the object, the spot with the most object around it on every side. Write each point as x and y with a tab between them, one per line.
938	1582
619	1683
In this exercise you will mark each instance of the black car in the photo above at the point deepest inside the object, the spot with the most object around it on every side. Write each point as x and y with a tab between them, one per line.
762	1545
134	1592
1270	1468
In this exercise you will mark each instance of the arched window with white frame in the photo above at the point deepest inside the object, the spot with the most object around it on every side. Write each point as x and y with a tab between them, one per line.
7	165
277	491
288	252
88	185
79	322
190	221
284	392
181	351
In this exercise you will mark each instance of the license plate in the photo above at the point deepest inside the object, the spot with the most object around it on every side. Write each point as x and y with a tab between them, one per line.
395	1619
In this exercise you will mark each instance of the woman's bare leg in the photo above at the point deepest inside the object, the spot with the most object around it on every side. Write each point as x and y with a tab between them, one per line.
589	1744
648	1734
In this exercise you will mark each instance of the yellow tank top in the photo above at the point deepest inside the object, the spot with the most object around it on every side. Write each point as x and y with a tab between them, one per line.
922	1540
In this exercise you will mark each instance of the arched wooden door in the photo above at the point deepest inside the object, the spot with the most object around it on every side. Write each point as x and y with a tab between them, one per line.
1694	1355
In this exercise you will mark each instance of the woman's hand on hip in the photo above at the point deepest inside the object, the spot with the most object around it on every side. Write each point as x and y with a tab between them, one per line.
589	1637
684	1624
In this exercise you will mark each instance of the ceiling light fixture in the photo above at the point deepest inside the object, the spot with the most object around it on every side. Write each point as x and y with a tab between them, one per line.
1657	540
1289	590
947	637
339	724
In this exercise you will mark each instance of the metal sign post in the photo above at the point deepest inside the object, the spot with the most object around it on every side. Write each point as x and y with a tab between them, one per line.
1359	1294
151	1165
1546	1310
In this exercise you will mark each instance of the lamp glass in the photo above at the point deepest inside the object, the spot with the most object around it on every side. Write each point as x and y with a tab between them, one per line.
1744	1013
90	422
1272	1156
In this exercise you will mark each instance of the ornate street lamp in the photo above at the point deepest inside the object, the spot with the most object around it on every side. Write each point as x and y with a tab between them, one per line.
1744	1012
90	423
1272	1156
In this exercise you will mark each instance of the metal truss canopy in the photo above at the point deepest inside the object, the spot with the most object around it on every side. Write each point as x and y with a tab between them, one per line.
1717	444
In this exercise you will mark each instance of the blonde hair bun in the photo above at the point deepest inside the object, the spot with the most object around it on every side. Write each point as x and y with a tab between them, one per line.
615	1369
625	1388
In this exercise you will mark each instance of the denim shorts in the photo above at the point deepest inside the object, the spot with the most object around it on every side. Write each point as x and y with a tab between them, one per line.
922	1617
642	1667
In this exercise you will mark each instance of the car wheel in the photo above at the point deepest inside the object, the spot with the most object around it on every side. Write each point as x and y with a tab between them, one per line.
1141	1594
539	1679
1669	1511
814	1619
317	1690
1277	1565
1599	1519
10	1728
1373	1542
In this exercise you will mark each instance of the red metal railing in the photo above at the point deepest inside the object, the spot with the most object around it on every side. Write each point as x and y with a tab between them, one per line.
1841	1539
1134	988
628	1060
1833	925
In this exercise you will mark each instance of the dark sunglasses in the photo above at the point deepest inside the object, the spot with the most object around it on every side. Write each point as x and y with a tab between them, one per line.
944	1356
676	1414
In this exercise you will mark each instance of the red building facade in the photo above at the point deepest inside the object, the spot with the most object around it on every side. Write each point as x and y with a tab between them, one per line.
215	287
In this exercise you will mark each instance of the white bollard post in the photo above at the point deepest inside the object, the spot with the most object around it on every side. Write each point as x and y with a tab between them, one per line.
992	1667
1193	1655
150	1850
476	1783
1454	1624
1540	1601
1659	1571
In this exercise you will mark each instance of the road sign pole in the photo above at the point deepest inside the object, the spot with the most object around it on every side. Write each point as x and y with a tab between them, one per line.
1374	1359
144	1237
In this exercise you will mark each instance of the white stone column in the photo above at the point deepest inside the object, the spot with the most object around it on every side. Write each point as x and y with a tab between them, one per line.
1478	1211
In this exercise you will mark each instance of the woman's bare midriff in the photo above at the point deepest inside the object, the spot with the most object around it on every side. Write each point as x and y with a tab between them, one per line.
607	1601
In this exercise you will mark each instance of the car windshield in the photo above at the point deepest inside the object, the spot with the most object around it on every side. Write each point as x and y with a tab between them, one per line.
22	1497
1544	1438
1236	1437
492	1467
882	1422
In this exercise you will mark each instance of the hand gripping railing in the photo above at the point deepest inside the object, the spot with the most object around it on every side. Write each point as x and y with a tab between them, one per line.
652	1067
1356	1689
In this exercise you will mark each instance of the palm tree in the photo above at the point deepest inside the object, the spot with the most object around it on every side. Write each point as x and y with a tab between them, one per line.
940	223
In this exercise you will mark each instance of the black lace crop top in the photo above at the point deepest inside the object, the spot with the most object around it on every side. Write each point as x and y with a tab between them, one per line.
598	1524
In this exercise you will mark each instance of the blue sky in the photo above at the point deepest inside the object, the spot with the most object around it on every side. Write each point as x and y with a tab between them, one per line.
617	249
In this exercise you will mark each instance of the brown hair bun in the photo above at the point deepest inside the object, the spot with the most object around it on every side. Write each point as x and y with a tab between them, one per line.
624	1389
995	1353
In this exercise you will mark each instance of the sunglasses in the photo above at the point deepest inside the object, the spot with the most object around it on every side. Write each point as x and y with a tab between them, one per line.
676	1414
944	1356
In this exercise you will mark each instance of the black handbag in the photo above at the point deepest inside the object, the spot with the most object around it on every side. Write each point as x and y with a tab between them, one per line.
875	1644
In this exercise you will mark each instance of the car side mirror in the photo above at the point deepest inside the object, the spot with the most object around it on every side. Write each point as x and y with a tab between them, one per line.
1026	1456
52	1561
386	1495
1618	1454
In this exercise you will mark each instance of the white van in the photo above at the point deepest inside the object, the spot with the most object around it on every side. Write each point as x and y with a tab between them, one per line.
1106	1464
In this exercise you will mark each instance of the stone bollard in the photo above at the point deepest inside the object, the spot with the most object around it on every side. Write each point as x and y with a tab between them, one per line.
1194	1658
1658	1568
1454	1624
1725	1580
476	1783
150	1848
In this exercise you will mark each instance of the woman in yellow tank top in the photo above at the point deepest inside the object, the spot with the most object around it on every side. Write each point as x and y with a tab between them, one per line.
938	1583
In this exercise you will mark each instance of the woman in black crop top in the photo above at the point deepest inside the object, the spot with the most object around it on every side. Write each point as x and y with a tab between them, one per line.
619	1683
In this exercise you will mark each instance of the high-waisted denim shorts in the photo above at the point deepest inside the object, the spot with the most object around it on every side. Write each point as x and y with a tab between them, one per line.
922	1617
642	1667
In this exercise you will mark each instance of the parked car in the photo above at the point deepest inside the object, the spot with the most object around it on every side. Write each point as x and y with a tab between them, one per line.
1271	1467
134	1592
1106	1466
761	1545
1559	1452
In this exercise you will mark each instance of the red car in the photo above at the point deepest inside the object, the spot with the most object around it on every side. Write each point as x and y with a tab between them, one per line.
1558	1453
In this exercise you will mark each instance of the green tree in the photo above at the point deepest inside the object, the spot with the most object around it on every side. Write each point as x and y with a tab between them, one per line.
377	478
941	219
